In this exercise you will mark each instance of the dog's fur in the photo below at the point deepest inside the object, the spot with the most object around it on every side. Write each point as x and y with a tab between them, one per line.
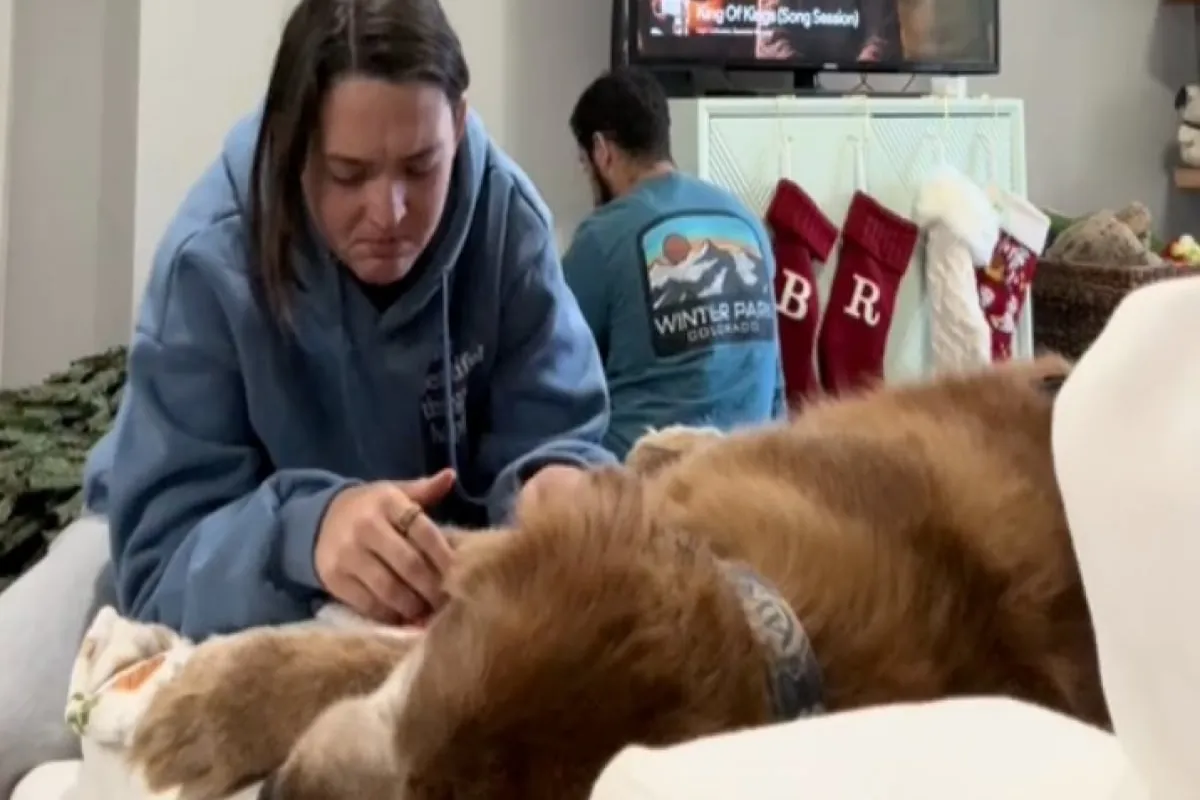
917	532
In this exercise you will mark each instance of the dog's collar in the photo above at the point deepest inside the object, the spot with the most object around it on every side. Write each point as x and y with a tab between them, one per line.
797	688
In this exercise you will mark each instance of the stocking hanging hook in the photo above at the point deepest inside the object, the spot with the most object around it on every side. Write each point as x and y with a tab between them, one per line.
783	141
860	163
860	142
989	144
945	128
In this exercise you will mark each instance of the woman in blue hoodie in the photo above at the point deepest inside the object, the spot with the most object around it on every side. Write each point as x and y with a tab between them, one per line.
357	316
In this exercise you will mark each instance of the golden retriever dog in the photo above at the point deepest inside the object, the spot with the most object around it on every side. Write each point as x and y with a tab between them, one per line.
912	539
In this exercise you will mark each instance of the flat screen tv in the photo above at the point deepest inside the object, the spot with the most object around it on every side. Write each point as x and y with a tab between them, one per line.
947	37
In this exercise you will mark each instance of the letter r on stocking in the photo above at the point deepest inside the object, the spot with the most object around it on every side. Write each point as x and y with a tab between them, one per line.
864	301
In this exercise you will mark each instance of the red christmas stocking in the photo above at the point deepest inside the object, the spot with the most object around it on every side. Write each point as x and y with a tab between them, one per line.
800	235
1004	284
876	248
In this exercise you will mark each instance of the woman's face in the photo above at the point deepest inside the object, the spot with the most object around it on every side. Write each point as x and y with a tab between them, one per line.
379	172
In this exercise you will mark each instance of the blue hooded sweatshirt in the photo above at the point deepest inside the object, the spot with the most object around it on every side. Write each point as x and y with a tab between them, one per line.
233	436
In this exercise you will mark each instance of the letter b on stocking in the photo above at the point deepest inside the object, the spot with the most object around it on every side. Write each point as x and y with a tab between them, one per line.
794	296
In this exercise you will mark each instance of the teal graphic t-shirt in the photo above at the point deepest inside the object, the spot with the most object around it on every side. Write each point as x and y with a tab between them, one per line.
676	282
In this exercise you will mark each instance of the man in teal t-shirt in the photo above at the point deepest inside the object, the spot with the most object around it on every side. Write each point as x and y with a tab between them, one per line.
674	275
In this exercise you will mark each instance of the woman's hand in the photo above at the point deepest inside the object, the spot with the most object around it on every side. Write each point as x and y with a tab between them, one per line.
379	553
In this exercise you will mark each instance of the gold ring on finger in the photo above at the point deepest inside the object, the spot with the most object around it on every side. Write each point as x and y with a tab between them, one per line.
407	518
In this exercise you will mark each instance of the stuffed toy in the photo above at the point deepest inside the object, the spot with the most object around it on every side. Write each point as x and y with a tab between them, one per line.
1187	103
1109	239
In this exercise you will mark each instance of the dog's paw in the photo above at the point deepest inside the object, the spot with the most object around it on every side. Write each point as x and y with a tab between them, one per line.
184	743
658	448
212	730
235	710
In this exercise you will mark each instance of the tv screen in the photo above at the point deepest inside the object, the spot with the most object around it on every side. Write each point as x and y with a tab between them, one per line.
943	36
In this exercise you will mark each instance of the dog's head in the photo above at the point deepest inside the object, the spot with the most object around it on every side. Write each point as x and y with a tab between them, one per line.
585	628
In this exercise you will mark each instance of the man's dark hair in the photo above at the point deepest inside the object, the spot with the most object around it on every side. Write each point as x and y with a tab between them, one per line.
324	41
629	108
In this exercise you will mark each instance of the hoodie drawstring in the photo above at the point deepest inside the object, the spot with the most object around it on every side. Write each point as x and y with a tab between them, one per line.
448	400
356	433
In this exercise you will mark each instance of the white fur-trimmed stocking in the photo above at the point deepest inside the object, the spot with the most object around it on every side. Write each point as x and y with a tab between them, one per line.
1004	283
962	229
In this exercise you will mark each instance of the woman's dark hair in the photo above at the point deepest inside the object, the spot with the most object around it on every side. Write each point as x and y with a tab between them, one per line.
324	41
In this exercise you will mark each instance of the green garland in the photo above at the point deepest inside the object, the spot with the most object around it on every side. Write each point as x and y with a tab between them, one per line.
46	432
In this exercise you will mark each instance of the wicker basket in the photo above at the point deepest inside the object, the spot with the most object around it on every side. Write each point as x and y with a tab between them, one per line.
1072	302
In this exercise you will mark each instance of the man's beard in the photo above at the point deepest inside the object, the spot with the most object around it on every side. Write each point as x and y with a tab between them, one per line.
602	192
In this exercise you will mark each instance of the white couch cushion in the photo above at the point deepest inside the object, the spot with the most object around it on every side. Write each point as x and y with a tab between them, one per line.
52	781
982	749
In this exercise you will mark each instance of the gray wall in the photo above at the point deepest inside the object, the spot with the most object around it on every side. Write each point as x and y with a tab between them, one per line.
1097	76
1099	80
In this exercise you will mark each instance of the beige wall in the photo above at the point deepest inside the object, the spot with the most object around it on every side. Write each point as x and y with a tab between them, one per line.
6	63
198	74
109	127
70	182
